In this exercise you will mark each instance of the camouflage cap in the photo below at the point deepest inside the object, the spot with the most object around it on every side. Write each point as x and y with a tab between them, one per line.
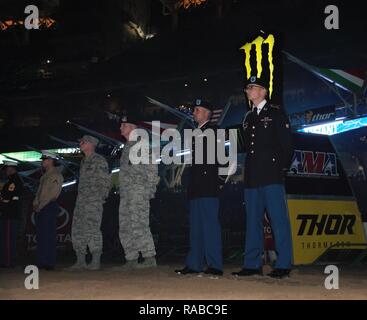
89	139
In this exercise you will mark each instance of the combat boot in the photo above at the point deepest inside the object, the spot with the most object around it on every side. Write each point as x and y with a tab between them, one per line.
96	261
149	262
130	265
80	263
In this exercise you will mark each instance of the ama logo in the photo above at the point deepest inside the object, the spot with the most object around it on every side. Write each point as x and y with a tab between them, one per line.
311	164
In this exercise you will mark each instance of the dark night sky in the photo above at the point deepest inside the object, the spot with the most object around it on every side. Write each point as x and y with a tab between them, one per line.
202	45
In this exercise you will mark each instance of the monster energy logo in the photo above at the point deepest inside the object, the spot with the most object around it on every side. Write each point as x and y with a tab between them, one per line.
258	43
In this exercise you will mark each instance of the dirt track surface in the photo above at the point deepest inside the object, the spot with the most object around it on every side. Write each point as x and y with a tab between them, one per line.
163	283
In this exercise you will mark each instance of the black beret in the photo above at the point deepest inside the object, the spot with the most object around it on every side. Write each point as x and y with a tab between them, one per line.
258	81
204	104
130	117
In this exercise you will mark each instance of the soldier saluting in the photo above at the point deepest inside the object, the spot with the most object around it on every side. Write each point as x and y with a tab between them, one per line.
268	144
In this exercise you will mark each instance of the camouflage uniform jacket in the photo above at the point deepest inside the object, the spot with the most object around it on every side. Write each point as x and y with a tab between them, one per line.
94	178
142	174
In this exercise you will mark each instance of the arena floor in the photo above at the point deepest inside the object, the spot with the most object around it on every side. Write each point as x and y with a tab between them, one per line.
163	283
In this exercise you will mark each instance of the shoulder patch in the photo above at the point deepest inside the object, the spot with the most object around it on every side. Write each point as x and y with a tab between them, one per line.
11	187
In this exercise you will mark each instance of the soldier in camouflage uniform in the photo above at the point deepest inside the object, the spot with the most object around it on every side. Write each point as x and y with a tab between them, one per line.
138	183
93	189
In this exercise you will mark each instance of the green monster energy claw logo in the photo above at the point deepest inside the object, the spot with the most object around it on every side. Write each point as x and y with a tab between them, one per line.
258	43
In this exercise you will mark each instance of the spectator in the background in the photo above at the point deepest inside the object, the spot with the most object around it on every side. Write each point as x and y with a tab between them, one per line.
46	210
10	210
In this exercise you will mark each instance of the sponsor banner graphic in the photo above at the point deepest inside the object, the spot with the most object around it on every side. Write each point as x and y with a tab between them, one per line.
313	116
318	224
314	164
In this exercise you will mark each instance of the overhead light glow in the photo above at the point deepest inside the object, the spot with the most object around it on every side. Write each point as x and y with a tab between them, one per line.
31	156
68	183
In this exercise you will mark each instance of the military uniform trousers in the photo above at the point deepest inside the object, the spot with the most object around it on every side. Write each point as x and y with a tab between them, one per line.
46	234
86	228
134	232
205	235
8	240
273	199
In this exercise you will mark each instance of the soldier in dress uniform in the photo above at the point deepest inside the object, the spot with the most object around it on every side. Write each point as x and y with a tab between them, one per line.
269	149
10	211
46	210
203	190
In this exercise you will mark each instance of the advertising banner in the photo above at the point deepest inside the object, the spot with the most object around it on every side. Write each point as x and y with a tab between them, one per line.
318	224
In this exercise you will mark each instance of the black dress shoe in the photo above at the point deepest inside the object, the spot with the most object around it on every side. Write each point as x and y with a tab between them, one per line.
248	272
214	272
279	273
186	270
